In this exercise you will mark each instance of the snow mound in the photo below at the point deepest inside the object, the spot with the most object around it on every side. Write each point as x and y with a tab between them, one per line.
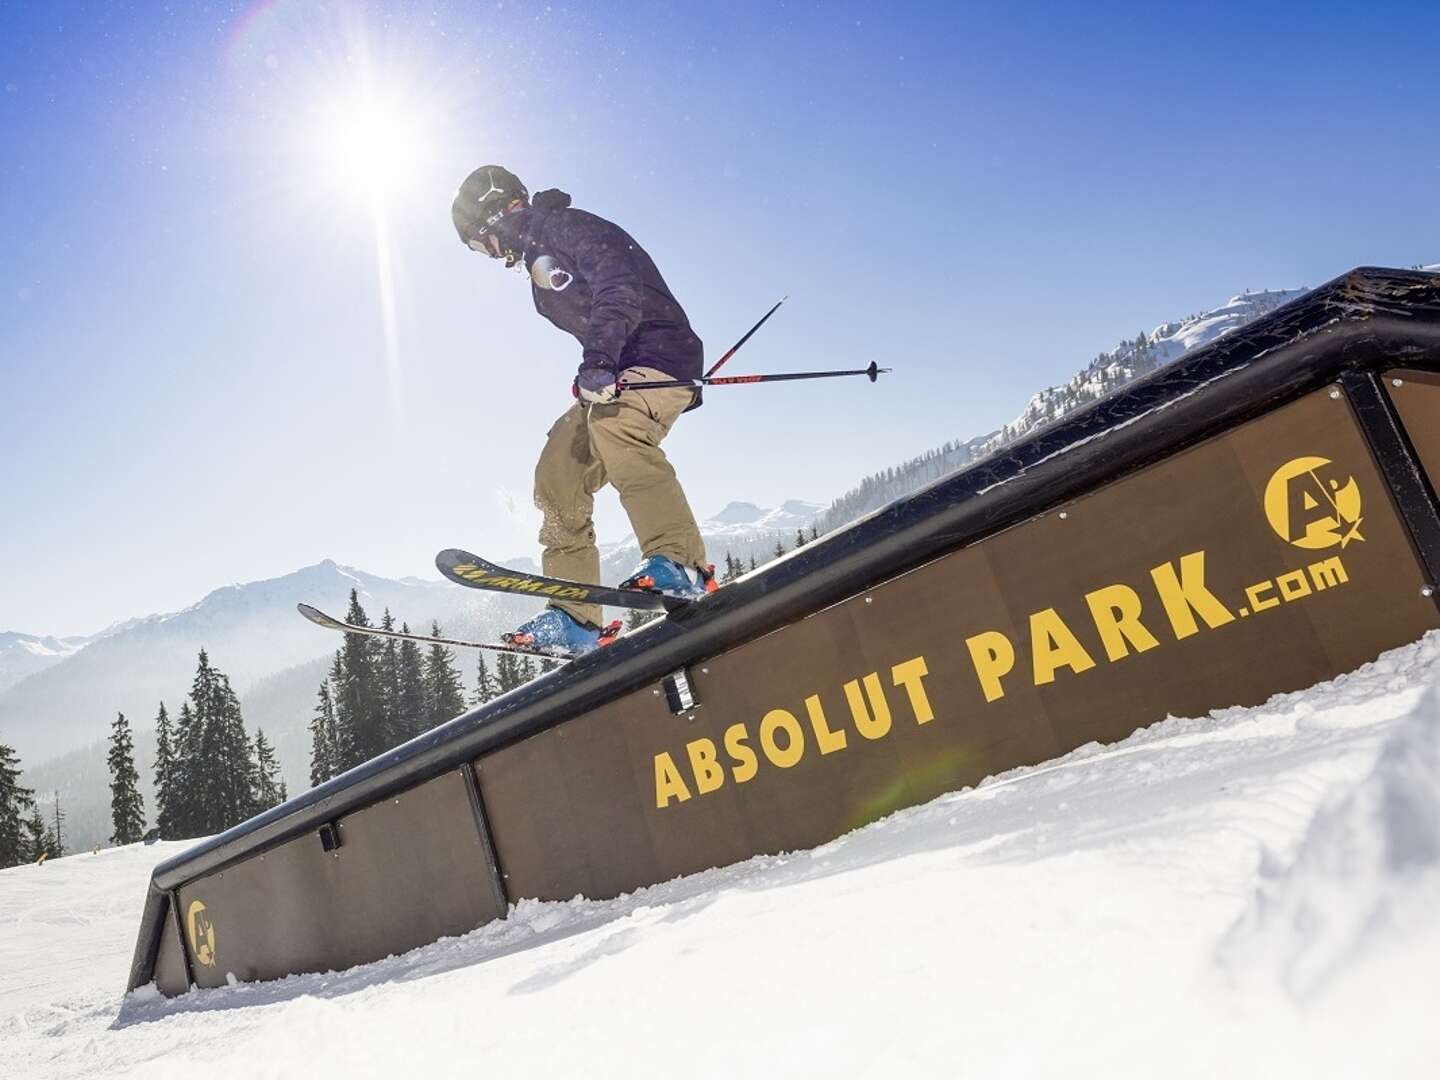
1365	872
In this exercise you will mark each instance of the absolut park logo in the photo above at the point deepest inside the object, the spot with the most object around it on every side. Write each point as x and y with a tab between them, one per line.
201	932
1309	502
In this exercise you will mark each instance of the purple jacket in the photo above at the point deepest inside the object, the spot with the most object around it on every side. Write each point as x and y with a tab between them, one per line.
592	280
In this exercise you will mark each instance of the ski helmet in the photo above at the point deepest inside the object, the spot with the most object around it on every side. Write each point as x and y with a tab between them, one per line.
483	199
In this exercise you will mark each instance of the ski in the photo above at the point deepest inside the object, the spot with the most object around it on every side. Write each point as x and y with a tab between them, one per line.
319	618
469	570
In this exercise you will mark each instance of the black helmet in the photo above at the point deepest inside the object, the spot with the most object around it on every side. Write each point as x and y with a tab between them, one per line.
483	199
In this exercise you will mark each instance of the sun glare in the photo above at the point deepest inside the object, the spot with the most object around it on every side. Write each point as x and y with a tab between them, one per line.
371	145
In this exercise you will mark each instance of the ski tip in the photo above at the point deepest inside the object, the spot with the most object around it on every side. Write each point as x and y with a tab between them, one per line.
452	557
315	615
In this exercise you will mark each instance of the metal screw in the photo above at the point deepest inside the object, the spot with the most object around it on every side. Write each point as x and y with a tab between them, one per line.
1334	393
1064	514
704	671
655	692
1397	382
869	599
1427	590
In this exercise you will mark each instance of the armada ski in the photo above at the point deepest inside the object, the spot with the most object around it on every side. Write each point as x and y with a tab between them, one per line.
319	618
470	570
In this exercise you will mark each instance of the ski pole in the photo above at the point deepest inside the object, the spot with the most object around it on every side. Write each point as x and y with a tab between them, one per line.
872	373
736	347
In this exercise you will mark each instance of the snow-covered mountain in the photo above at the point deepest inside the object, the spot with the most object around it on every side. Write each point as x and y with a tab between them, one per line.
1106	373
22	655
744	519
741	529
251	632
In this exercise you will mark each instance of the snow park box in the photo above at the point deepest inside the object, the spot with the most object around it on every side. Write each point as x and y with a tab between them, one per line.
1251	519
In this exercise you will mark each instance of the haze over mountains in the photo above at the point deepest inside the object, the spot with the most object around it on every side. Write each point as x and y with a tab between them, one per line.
58	696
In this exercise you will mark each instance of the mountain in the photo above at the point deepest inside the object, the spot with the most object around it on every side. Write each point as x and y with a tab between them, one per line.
741	529
251	632
1109	371
22	655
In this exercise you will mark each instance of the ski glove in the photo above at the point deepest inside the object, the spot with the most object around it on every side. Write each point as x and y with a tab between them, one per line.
595	385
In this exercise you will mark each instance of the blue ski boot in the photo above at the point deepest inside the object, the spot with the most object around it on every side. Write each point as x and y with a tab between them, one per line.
658	574
556	633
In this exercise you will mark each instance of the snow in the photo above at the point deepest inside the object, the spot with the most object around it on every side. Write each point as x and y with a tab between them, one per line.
1255	893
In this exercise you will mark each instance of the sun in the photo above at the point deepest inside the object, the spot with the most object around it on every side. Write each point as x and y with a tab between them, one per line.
371	143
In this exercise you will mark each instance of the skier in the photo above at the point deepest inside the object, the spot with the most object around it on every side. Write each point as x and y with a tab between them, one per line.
592	280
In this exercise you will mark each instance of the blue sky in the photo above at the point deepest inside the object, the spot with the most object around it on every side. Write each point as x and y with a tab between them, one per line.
201	383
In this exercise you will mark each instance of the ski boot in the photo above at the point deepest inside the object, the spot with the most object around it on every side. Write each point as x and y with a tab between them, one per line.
657	574
556	633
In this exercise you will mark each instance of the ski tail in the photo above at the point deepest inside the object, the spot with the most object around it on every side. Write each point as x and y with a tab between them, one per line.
319	618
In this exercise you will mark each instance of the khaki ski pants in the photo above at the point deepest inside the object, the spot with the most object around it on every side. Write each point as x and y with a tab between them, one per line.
617	443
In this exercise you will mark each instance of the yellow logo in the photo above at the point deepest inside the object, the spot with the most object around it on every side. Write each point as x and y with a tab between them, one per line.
202	933
1308	506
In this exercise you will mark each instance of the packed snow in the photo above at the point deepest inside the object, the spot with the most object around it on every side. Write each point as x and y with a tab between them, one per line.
1252	893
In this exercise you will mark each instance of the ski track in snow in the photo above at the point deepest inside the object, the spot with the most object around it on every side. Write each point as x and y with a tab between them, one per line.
1252	893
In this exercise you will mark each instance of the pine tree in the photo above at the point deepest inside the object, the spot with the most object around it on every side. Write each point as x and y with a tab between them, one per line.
127	807
779	548
814	533
269	788
484	682
395	729
444	689
412	687
59	831
753	564
507	673
184	802
212	756
355	687
165	802
637	617
799	538
525	669
14	801
39	841
322	738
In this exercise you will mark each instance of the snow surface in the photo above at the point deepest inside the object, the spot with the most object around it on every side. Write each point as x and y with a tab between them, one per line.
1253	893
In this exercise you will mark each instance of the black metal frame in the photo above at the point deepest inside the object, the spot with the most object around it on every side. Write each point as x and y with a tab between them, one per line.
482	826
1399	464
1364	321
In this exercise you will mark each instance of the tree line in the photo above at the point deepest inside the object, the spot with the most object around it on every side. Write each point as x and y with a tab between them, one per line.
381	692
209	775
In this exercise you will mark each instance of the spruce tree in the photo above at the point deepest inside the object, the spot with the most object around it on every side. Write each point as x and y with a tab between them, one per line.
412	688
507	673
184	802
355	686
213	755
14	801
799	538
753	564
484	682
395	729
322	738
59	830
127	807
39	842
779	548
444	689
164	775
269	788
635	618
